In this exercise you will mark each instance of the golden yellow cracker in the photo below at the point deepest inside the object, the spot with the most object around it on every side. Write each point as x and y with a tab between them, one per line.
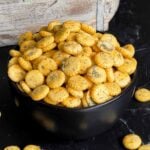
95	48
25	87
110	74
47	65
142	95
90	83
129	66
130	48
12	147
87	28
85	39
62	35
32	147
57	28
122	79
84	102
13	61
36	61
32	53
26	65
34	78
105	46
59	57
25	36
96	74
118	58
98	35
55	79
75	93
40	92
27	45
72	48
132	141
14	53
71	66
89	99
50	54
58	94
99	93
85	63
16	73
113	88
44	42
73	26
144	147
71	102
78	82
60	45
72	36
45	33
87	51
37	37
104	60
49	101
127	51
110	39
49	47
52	24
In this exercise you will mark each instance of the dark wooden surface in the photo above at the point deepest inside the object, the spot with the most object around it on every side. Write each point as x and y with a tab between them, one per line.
131	24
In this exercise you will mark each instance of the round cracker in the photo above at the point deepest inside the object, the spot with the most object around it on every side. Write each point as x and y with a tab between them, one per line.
99	93
85	63
25	87
96	74
34	78
32	147
47	65
32	53
104	60
14	53
78	83
39	93
71	66
113	88
16	73
142	95
55	79
72	48
129	66
26	65
122	79
12	147
85	39
58	94
72	102
132	141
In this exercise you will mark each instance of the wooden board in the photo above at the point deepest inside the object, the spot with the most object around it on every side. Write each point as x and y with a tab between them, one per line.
18	16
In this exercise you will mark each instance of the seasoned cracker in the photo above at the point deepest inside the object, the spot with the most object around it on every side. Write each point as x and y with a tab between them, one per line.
55	79
39	93
16	73
96	74
34	78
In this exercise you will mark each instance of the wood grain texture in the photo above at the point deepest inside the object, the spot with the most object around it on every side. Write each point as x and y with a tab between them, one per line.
18	16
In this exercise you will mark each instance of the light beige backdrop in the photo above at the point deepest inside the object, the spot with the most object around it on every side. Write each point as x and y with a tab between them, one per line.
17	16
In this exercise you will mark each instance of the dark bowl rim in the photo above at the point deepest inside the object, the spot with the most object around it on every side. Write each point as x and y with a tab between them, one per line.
114	99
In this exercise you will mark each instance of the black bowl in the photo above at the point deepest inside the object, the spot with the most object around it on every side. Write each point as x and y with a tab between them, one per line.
76	123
